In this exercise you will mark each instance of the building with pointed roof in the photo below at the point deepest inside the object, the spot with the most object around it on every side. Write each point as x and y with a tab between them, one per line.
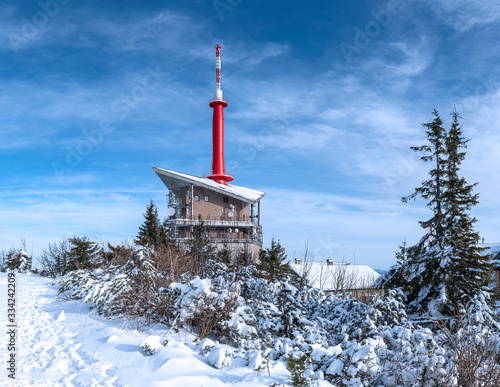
230	213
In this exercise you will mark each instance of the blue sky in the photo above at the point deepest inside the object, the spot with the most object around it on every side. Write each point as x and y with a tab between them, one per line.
325	99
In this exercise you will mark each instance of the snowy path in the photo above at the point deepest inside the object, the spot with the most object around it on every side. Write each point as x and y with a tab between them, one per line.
61	343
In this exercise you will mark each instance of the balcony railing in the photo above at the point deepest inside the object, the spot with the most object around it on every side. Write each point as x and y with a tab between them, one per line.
221	218
257	241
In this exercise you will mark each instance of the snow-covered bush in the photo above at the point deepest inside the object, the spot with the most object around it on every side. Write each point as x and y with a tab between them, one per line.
201	307
298	367
18	260
471	341
152	344
218	356
102	288
346	342
114	290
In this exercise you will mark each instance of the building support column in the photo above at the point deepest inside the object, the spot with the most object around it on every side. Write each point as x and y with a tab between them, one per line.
191	203
258	213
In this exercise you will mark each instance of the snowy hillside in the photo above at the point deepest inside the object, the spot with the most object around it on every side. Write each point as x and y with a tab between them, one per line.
63	343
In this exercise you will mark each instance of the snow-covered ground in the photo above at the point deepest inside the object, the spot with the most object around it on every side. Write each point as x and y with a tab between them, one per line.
63	343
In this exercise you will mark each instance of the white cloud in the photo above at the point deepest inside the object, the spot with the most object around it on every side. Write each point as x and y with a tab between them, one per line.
465	14
418	56
251	56
43	216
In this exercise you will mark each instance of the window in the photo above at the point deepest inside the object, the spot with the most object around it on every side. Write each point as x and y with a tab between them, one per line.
225	199
196	198
207	198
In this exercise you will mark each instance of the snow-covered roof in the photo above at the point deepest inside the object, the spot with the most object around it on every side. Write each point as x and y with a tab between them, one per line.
177	180
492	248
339	276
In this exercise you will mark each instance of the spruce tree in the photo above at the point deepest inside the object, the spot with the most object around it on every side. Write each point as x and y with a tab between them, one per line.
225	255
446	267
152	233
18	260
272	264
83	254
433	188
244	256
201	247
424	273
470	269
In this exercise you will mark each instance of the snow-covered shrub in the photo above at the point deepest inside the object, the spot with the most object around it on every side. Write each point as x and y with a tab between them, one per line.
217	355
152	344
18	260
347	342
298	367
256	360
200	307
241	325
471	341
104	289
115	290
149	300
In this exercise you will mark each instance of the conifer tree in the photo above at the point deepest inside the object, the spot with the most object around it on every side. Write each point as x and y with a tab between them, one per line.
470	269
288	303
272	262
225	255
446	267
18	260
244	256
425	275
201	249
83	254
152	233
433	188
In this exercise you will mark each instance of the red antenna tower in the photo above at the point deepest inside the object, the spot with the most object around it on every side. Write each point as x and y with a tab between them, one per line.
218	104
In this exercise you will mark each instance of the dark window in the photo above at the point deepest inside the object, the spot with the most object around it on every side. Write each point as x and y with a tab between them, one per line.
225	199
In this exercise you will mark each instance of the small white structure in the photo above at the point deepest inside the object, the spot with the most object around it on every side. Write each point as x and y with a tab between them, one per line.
335	277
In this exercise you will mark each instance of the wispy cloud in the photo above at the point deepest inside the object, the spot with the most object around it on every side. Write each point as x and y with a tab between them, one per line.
464	14
44	215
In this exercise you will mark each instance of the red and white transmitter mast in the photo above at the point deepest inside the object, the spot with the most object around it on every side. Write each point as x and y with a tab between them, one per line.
218	104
